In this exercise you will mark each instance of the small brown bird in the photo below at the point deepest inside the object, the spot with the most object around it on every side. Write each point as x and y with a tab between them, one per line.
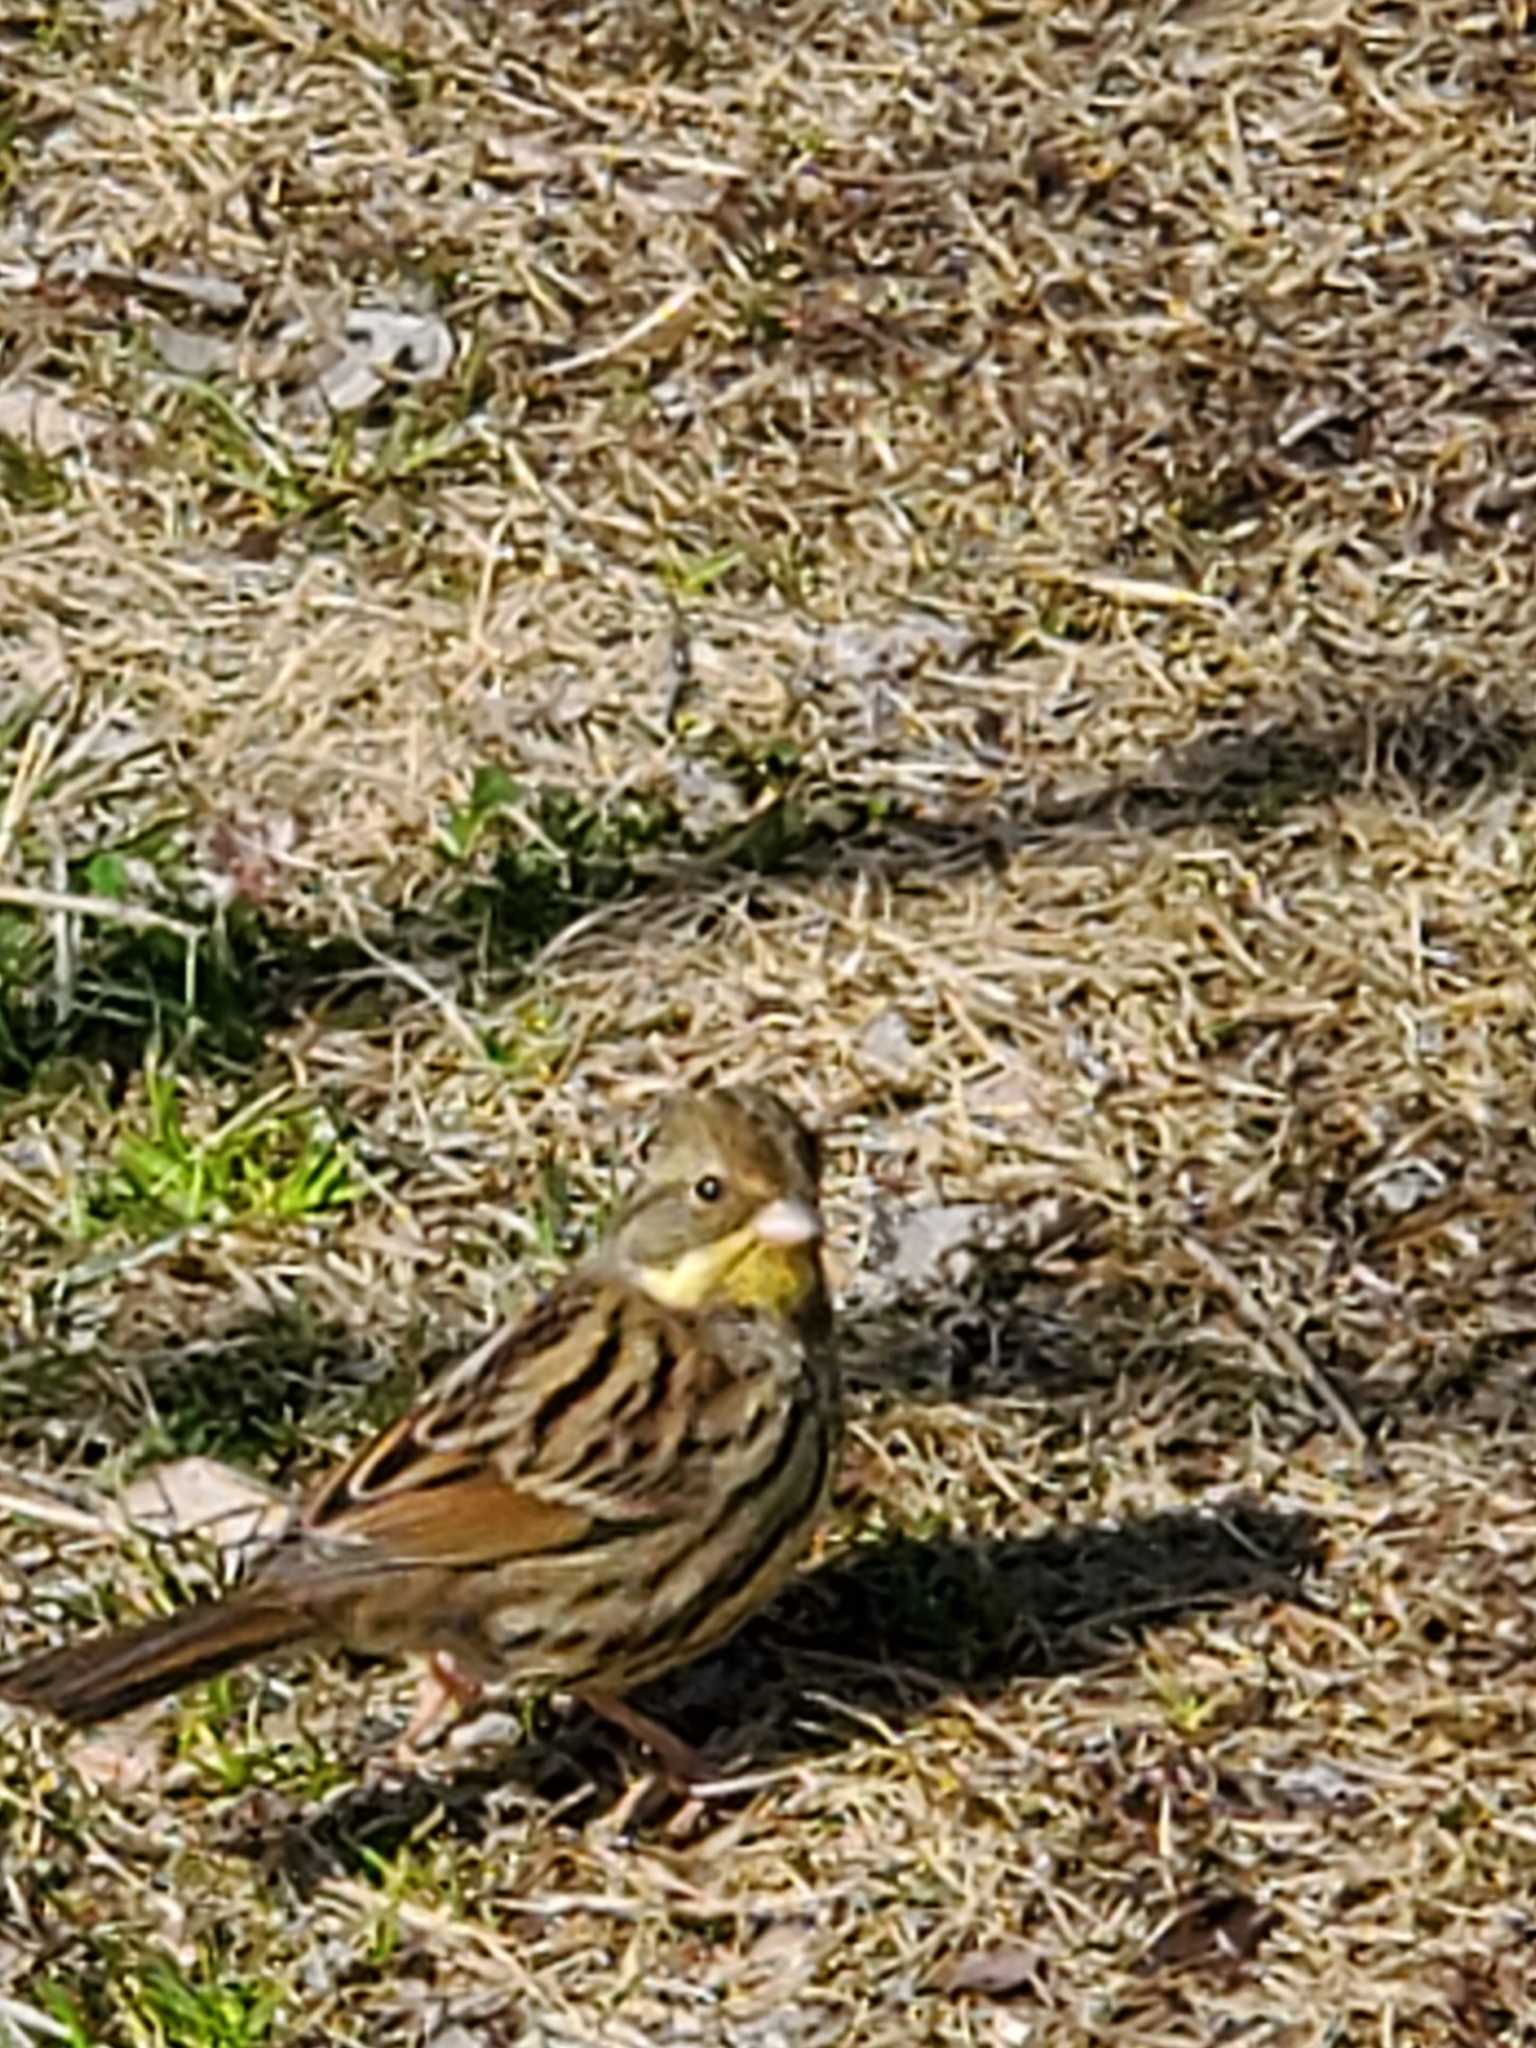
599	1492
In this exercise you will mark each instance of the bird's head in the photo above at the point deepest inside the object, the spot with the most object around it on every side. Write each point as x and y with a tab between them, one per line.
726	1213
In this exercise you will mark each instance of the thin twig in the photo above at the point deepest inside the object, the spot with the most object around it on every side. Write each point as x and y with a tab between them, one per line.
413	978
69	904
673	304
64	932
35	750
1128	590
683	1905
1290	1352
20	1497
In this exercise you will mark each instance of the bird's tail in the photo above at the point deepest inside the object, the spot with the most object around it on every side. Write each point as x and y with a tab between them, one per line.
108	1675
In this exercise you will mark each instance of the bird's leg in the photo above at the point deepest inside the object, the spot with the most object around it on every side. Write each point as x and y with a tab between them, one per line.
685	1765
446	1692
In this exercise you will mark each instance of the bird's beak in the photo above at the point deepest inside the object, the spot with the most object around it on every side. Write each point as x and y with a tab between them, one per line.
789	1221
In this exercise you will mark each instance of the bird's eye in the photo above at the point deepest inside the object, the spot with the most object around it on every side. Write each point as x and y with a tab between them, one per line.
709	1189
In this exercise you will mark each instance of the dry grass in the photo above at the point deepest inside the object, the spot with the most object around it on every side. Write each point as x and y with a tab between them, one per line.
974	564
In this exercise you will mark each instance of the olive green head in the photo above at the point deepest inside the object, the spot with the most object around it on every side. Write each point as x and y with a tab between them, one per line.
726	1213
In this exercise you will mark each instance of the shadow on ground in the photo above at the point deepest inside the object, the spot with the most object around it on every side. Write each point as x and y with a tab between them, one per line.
511	895
930	1618
888	1629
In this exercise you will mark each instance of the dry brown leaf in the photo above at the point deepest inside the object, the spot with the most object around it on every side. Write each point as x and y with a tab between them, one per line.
201	1496
1006	1970
118	1760
37	417
1225	1931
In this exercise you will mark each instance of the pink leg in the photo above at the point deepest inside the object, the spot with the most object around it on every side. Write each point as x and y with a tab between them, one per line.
680	1760
446	1692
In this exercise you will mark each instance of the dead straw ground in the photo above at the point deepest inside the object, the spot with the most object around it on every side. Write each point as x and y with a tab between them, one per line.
975	564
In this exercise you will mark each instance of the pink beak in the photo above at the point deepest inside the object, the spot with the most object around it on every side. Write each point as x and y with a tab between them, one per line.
788	1221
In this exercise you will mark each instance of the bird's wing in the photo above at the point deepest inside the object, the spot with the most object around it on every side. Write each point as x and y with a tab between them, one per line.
555	1433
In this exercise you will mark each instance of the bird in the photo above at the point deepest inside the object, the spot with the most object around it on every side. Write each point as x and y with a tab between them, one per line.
602	1490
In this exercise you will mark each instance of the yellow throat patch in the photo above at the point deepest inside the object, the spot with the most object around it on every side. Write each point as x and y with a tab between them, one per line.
738	1271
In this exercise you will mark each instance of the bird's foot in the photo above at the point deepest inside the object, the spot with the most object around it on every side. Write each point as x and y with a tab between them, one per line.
446	1693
